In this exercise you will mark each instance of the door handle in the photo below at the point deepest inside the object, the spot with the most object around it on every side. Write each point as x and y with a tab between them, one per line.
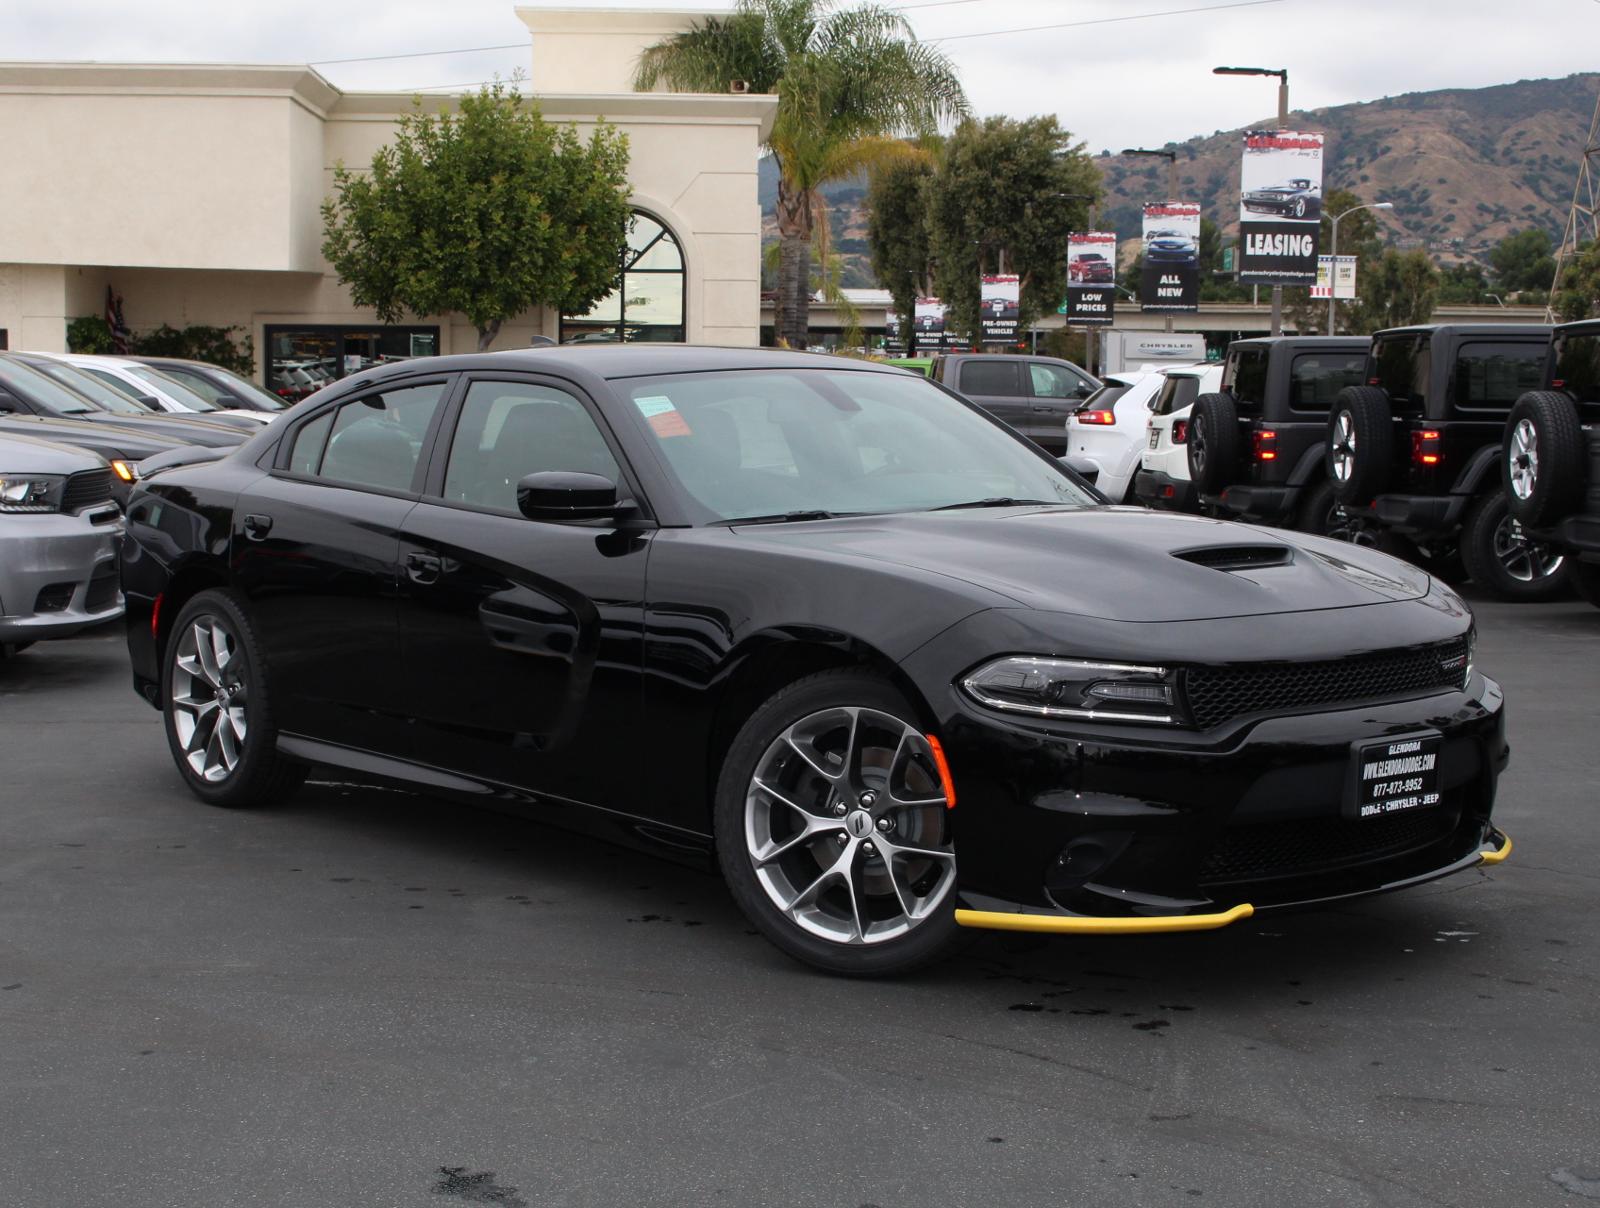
257	526
423	568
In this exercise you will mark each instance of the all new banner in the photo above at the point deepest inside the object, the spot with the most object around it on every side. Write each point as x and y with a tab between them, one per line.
1091	278
1002	307
1280	207
1170	279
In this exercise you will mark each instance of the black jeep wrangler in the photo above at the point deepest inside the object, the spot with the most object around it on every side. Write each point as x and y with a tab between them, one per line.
1256	446
1551	464
1413	455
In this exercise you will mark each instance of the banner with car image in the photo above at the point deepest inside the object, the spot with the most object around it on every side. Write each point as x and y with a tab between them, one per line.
894	334
928	327
1001	301
1170	278
1091	278
1280	207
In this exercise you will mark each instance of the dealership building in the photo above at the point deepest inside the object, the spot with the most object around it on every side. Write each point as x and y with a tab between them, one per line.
194	193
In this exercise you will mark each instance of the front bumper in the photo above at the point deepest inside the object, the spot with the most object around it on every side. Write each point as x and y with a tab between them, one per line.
58	573
1159	490
1168	828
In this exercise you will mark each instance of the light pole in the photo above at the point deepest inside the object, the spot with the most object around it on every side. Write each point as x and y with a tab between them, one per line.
1333	250
1283	124
1172	180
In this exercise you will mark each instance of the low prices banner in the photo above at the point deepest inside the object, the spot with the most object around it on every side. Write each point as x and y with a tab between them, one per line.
1170	279
1001	308
1091	278
1280	207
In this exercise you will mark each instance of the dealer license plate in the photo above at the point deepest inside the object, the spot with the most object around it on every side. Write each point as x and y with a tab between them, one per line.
1155	438
1396	775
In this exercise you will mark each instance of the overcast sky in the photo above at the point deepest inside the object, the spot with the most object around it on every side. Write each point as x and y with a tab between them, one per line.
1116	83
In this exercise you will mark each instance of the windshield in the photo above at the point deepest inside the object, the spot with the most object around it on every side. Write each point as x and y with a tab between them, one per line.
759	443
177	392
216	383
91	387
43	391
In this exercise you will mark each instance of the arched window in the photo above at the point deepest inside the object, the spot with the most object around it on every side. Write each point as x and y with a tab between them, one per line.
648	303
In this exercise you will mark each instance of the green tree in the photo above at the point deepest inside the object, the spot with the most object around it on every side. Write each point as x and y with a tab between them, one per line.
1578	295
898	235
1463	283
847	79
1008	193
1359	236
1523	261
488	212
1213	288
1398	291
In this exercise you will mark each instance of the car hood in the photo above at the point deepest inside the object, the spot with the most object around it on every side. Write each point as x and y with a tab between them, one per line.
188	429
110	440
1116	563
28	455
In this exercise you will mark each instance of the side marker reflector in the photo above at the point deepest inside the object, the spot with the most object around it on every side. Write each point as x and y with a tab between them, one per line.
945	781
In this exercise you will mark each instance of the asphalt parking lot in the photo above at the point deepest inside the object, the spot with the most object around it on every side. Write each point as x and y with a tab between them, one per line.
373	998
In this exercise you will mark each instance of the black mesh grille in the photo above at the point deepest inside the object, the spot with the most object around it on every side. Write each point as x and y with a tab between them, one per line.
1219	694
1264	850
86	489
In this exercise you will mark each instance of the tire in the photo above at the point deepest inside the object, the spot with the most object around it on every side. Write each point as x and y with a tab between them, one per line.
1360	446
1586	578
1503	561
1213	443
780	783
220	765
1299	207
1542	461
1316	513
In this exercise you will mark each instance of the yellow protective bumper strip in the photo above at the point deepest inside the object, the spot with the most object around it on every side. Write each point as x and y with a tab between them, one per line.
1488	857
1059	924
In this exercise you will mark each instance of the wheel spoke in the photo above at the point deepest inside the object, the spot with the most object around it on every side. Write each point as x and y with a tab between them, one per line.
778	848
812	762
206	655
833	872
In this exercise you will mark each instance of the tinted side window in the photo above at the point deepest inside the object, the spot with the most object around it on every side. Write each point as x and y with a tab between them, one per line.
1490	377
1316	377
1400	371
373	441
991	376
198	383
306	456
1577	366
1250	378
508	430
1177	392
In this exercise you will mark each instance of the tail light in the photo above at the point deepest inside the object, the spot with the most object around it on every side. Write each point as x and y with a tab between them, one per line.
1096	417
1264	444
1180	431
1425	447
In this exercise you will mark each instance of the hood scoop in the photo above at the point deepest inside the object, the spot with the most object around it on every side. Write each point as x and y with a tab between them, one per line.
1237	557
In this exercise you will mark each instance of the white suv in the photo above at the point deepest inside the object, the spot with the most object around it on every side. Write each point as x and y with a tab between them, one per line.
1109	430
1163	478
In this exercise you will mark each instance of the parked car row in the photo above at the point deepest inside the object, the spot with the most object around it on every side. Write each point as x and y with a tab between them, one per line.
76	432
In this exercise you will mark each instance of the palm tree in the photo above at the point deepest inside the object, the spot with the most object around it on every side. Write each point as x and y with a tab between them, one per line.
848	81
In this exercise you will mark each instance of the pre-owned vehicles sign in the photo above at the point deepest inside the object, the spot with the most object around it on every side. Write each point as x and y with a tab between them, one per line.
1001	308
1170	278
1280	207
1091	278
929	327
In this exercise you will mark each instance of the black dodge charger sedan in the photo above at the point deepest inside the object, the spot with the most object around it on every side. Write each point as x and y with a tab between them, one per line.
891	666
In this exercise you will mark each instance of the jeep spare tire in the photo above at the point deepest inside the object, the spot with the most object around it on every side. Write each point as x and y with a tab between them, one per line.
1213	442
1360	448
1542	462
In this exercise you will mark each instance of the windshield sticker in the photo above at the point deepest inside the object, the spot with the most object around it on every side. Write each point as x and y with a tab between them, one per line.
665	419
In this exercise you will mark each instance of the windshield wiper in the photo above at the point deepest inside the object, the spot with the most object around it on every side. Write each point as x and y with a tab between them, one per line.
994	501
780	517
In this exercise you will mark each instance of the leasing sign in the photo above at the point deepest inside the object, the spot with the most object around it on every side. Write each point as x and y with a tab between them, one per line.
1280	207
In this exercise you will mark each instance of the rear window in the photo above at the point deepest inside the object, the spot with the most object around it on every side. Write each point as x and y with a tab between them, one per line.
1316	377
1177	392
1105	398
1491	377
1577	366
1250	378
997	376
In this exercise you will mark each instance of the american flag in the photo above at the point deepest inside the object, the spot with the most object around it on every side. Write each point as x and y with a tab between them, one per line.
121	337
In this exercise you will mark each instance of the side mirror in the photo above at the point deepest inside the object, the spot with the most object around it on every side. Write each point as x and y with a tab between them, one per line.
8	404
568	495
1084	390
227	402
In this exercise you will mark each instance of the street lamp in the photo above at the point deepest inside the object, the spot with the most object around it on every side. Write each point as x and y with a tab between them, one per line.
1333	249
1172	167
1283	123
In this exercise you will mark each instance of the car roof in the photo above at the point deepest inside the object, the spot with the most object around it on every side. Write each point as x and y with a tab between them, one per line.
1537	330
1303	341
624	361
1581	327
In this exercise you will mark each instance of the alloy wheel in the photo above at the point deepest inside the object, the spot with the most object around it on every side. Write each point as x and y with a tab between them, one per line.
846	826
1524	559
1344	447
1197	442
210	698
1524	455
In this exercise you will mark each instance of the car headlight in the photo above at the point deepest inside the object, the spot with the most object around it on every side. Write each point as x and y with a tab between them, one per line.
30	492
1045	687
123	470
